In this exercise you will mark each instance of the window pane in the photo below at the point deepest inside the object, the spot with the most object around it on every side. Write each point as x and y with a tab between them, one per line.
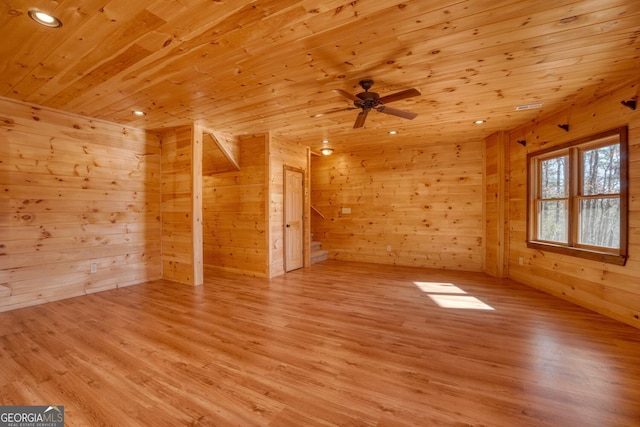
553	179
553	221
601	170
600	222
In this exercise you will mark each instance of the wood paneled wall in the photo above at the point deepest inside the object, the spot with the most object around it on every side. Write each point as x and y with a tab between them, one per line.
609	289
423	201
182	205
283	153
74	192
235	217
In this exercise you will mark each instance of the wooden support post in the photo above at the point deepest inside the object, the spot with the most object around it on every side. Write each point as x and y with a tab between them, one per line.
496	205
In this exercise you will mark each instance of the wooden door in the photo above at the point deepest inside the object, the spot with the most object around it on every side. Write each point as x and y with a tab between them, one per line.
293	219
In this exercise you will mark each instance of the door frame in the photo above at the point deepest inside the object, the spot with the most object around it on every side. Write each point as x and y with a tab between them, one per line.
284	214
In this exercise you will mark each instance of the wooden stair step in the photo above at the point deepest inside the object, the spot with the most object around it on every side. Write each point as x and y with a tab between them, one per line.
319	256
317	253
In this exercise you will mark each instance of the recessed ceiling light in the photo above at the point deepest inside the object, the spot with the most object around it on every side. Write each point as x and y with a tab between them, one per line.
326	151
478	122
45	19
138	113
393	132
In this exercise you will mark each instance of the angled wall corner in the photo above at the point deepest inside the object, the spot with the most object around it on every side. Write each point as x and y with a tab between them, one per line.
221	152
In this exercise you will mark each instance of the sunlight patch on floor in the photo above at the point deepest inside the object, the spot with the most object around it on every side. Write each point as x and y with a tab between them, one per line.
448	295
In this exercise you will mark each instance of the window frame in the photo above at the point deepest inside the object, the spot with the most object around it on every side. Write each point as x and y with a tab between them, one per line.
573	150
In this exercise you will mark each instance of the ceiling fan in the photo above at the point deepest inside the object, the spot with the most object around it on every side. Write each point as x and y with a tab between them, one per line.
368	101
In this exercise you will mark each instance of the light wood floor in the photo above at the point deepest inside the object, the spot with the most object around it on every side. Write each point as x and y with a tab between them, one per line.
334	344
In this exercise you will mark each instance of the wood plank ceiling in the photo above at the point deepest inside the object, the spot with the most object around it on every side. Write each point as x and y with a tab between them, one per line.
269	65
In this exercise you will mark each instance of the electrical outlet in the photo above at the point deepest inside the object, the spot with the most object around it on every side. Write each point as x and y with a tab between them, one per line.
388	248
346	210
521	261
94	268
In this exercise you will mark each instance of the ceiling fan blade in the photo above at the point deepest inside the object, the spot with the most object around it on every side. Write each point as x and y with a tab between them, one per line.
409	93
362	116
346	94
396	112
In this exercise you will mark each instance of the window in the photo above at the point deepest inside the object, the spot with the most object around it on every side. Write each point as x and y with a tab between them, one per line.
577	202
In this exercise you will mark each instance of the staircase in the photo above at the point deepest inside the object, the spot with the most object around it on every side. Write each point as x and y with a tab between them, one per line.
317	253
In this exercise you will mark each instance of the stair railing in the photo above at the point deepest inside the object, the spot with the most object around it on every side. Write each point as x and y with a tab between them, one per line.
313	208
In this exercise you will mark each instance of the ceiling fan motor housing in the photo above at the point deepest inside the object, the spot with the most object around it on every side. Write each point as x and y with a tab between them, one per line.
368	101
